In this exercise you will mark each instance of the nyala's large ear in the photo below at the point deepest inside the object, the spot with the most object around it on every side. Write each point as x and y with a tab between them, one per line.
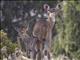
58	8
46	7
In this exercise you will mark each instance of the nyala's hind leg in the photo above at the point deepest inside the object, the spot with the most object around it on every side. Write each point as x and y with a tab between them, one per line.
28	54
34	55
49	57
38	55
43	43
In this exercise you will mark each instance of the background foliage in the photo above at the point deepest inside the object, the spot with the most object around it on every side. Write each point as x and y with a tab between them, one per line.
67	40
66	33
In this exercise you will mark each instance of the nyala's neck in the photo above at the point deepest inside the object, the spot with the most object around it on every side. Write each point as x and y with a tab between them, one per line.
51	19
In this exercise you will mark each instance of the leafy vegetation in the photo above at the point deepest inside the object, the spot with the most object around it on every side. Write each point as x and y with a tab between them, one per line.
67	40
5	41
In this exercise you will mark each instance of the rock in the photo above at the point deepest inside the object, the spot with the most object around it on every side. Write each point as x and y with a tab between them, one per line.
25	58
9	57
45	58
62	57
5	59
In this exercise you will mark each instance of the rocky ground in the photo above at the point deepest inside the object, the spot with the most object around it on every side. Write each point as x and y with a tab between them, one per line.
21	57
